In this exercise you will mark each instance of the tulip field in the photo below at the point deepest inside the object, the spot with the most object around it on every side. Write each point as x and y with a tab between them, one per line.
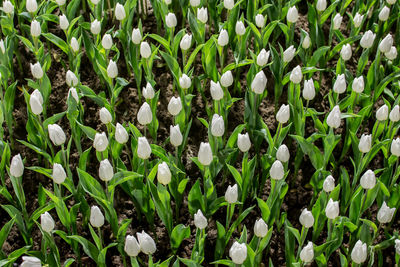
199	133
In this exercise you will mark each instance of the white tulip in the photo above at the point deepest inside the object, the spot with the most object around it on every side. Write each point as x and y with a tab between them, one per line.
95	27
367	40
260	20
277	172
386	44
238	252
346	52
216	91
283	114
202	14
392	54
282	154
365	143
121	135
307	253
143	148
259	83
337	21
205	155
163	173
243	142
35	28
17	166
231	194
112	69
8	7
199	220
71	79
333	120
96	217
194	3
223	38
394	115
358	84
175	106
132	247
384	14
226	79
321	5
309	89
168	2
382	113
100	142
359	252
395	147
136	36
357	20
120	12
144	115
148	91
217	125
368	180
262	58
170	20
74	44
47	222
340	85
292	15
385	213
95	2
36	102
306	218
28	261
106	171
288	54
229	4
60	2
56	134
36	70
58	174
186	42
329	184
63	22
147	244
107	41
306	42
296	75
184	81
397	246
332	209
260	228
240	29
145	50
105	115
31	6
176	137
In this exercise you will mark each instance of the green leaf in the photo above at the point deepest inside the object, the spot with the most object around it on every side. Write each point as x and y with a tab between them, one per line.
57	41
88	247
179	233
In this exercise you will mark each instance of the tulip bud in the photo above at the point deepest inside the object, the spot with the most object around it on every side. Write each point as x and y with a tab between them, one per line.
100	142
145	50
28	261
58	174
309	89
107	41
35	28
259	83
240	29
74	44
216	91
358	84
367	39
283	114
292	15
231	194
168	2
8	7
148	91
136	36
306	42
199	220
194	3
143	148
392	54
395	147
288	54
382	113
283	153
132	247
185	82
260	228
105	116
96	217
163	173
333	119
368	180
337	21
17	166
147	244
95	2
95	27
47	222
223	38
121	135
277	172
36	70
306	218
329	184
386	44
186	42
262	58
217	126
202	14
332	209
120	12
71	79
307	253
385	214
260	21
63	22
112	69
175	106
243	142
36	102
56	134
229	4
60	2
226	79
205	155
321	5
170	20
176	137
397	246
144	115
296	75
394	115
106	171
359	252
357	20
31	6
384	14
238	252
346	52
365	143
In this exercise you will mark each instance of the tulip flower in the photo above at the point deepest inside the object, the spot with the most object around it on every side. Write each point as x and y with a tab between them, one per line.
223	38
105	116
145	50
386	44
307	253
106	171
365	143
217	125
238	252
143	148
333	119
226	79
337	21
120	12
216	91
100	142
231	194
132	247
367	40
277	171
147	244
306	218
346	52
283	114
340	86
385	213
71	79
384	14
288	54
175	106
260	228
282	154
28	261
397	246
392	54
243	142
306	42
36	102
262	58
259	83
332	209
96	217
176	137
35	28
144	115
368	180
95	2
194	3
309	89
56	134
296	75
395	147
8	7
358	84
63	22
382	113
121	135
148	91
107	41
47	222
260	21
163	173
359	252
357	20
229	4
199	220
74	44
36	70
17	166
186	42
202	14
95	27
31	6
321	5
240	29
205	155
185	82
136	36
170	20
394	115
329	184
58	174
60	2
292	15
112	69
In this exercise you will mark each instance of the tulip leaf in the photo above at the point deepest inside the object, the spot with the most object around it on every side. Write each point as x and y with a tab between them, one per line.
88	247
179	233
57	41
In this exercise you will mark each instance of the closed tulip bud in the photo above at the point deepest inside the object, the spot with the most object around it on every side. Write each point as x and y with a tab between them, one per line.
107	41
367	39
105	115
395	147
144	115
333	119
321	5
309	89
259	83
382	113
394	115
120	12
8	7
185	82
337	21
277	172
231	194
58	174
307	253
100	142
238	252
72	92
292	15
96	217
340	85
194	3
60	2
106	171
368	180
386	44
229	4
216	91
283	114
262	58
143	148
28	261
148	91
296	75
121	135
205	155
132	247
71	79
392	54
186	42
35	28
346	52
260	20
359	252
63	22
260	228
17	166
288	54
306	42
136	36
397	246
36	102
112	69
47	222
199	220
240	29
36	70
202	14
357	20
147	244
384	14
168	2
56	134
223	38
95	27
358	84
306	218
226	79
217	125
365	143
31	6
95	2
332	209
329	184
283	154
243	142
74	44
2	47
170	20
163	173
175	137
385	213
175	106
145	50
